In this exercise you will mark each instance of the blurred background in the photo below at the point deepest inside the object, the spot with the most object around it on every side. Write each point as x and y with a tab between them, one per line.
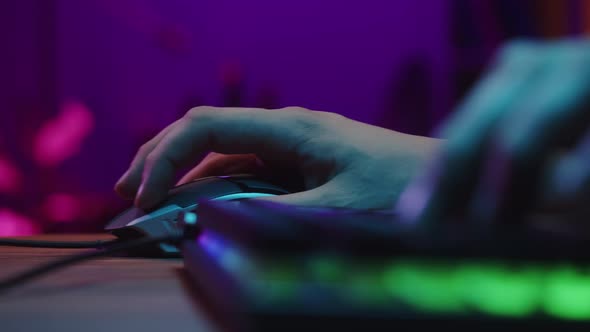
84	82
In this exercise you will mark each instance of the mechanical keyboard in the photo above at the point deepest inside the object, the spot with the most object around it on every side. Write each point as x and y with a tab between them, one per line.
268	267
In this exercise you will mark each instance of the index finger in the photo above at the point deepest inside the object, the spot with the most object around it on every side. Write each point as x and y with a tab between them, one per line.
230	131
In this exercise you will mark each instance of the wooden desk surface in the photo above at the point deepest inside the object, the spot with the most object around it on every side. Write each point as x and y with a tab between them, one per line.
108	294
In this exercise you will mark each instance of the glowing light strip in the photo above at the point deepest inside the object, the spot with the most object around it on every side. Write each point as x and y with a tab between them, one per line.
489	288
240	196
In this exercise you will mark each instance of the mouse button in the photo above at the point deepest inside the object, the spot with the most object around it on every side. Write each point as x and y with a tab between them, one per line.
255	185
164	213
124	218
160	226
188	194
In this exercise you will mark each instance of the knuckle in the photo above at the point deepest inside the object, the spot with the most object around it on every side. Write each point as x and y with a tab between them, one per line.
144	149
295	113
152	158
199	112
311	115
295	110
517	47
522	52
523	55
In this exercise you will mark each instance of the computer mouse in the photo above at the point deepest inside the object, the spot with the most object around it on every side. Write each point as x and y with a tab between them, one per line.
162	220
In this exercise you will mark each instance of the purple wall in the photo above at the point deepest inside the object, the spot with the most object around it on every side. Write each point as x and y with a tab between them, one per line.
327	55
138	65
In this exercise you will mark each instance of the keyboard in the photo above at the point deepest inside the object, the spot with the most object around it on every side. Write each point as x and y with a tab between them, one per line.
268	267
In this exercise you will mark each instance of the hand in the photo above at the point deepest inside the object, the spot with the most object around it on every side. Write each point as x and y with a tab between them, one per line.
509	142
343	163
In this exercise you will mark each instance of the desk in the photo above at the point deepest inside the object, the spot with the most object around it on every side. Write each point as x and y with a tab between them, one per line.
108	294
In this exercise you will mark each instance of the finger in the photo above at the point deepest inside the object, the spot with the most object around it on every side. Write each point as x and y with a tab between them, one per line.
276	135
443	191
553	113
222	164
566	191
569	174
129	182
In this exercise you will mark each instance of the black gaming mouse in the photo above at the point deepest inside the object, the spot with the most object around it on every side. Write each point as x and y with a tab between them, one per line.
162	220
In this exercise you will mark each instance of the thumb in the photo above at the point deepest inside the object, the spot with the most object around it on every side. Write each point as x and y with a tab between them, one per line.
330	194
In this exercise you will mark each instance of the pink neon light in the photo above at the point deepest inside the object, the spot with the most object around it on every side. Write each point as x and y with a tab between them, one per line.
62	207
15	224
62	137
10	177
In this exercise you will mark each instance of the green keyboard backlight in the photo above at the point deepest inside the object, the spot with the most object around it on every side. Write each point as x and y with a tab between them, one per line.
449	287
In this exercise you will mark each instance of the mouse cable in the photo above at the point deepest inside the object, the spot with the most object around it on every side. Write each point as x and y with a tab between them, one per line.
99	244
38	271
